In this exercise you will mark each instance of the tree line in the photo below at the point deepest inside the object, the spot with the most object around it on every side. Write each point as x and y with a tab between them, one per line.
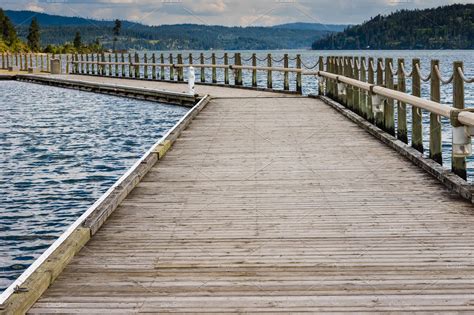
445	27
10	41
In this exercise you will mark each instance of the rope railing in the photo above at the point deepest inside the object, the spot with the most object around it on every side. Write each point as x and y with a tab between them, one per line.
278	60
392	70
440	77
405	72
463	77
420	74
340	62
309	67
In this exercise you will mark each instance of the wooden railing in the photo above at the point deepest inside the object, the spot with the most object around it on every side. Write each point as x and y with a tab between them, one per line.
375	89
135	66
372	96
23	62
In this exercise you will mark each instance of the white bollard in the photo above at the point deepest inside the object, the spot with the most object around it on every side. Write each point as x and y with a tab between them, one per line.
191	80
462	146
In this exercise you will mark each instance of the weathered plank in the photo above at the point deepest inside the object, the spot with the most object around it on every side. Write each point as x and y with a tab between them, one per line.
272	204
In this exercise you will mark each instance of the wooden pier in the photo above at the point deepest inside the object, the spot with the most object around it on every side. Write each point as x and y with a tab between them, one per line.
268	202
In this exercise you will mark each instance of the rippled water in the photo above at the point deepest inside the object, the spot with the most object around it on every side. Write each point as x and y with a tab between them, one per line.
60	150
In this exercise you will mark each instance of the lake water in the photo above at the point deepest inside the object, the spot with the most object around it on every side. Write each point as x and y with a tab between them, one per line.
60	150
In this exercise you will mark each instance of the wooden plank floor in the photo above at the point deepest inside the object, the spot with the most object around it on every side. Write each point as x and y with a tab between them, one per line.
276	205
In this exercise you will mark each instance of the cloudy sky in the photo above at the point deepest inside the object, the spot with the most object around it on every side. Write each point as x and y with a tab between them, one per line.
224	12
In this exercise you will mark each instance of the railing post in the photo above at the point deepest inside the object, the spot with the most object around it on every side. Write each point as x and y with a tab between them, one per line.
92	64
96	64
299	87
254	71
370	80
214	70
435	123
122	59
362	93
3	60
104	69
145	67
402	133
379	117
355	90
340	71
203	70
99	65
76	65
329	68
67	64
389	119
269	72
349	91
335	70
137	66
110	65
321	68
458	164
286	77
48	63
82	63
162	68
116	64
417	124
180	68
226	70
238	62
153	67
16	60
87	64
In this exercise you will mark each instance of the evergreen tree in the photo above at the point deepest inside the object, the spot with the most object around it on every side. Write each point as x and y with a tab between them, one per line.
7	30
77	41
116	30
34	36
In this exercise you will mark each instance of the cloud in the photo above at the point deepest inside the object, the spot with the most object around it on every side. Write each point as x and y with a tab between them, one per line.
34	8
225	12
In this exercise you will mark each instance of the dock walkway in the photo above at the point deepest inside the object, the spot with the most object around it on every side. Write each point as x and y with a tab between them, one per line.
275	203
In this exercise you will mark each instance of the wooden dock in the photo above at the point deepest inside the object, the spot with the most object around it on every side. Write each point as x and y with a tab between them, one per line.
274	203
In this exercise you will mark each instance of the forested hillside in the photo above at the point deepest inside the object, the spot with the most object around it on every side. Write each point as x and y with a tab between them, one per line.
446	27
58	30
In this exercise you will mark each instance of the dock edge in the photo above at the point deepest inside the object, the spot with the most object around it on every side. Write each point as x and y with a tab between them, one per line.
33	282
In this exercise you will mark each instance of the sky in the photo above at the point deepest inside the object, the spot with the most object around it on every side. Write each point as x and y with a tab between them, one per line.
225	12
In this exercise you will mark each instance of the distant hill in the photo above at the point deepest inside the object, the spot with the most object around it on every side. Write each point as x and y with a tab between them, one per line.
60	29
445	27
313	27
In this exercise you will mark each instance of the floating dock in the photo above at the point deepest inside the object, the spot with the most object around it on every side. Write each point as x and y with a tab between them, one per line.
265	202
